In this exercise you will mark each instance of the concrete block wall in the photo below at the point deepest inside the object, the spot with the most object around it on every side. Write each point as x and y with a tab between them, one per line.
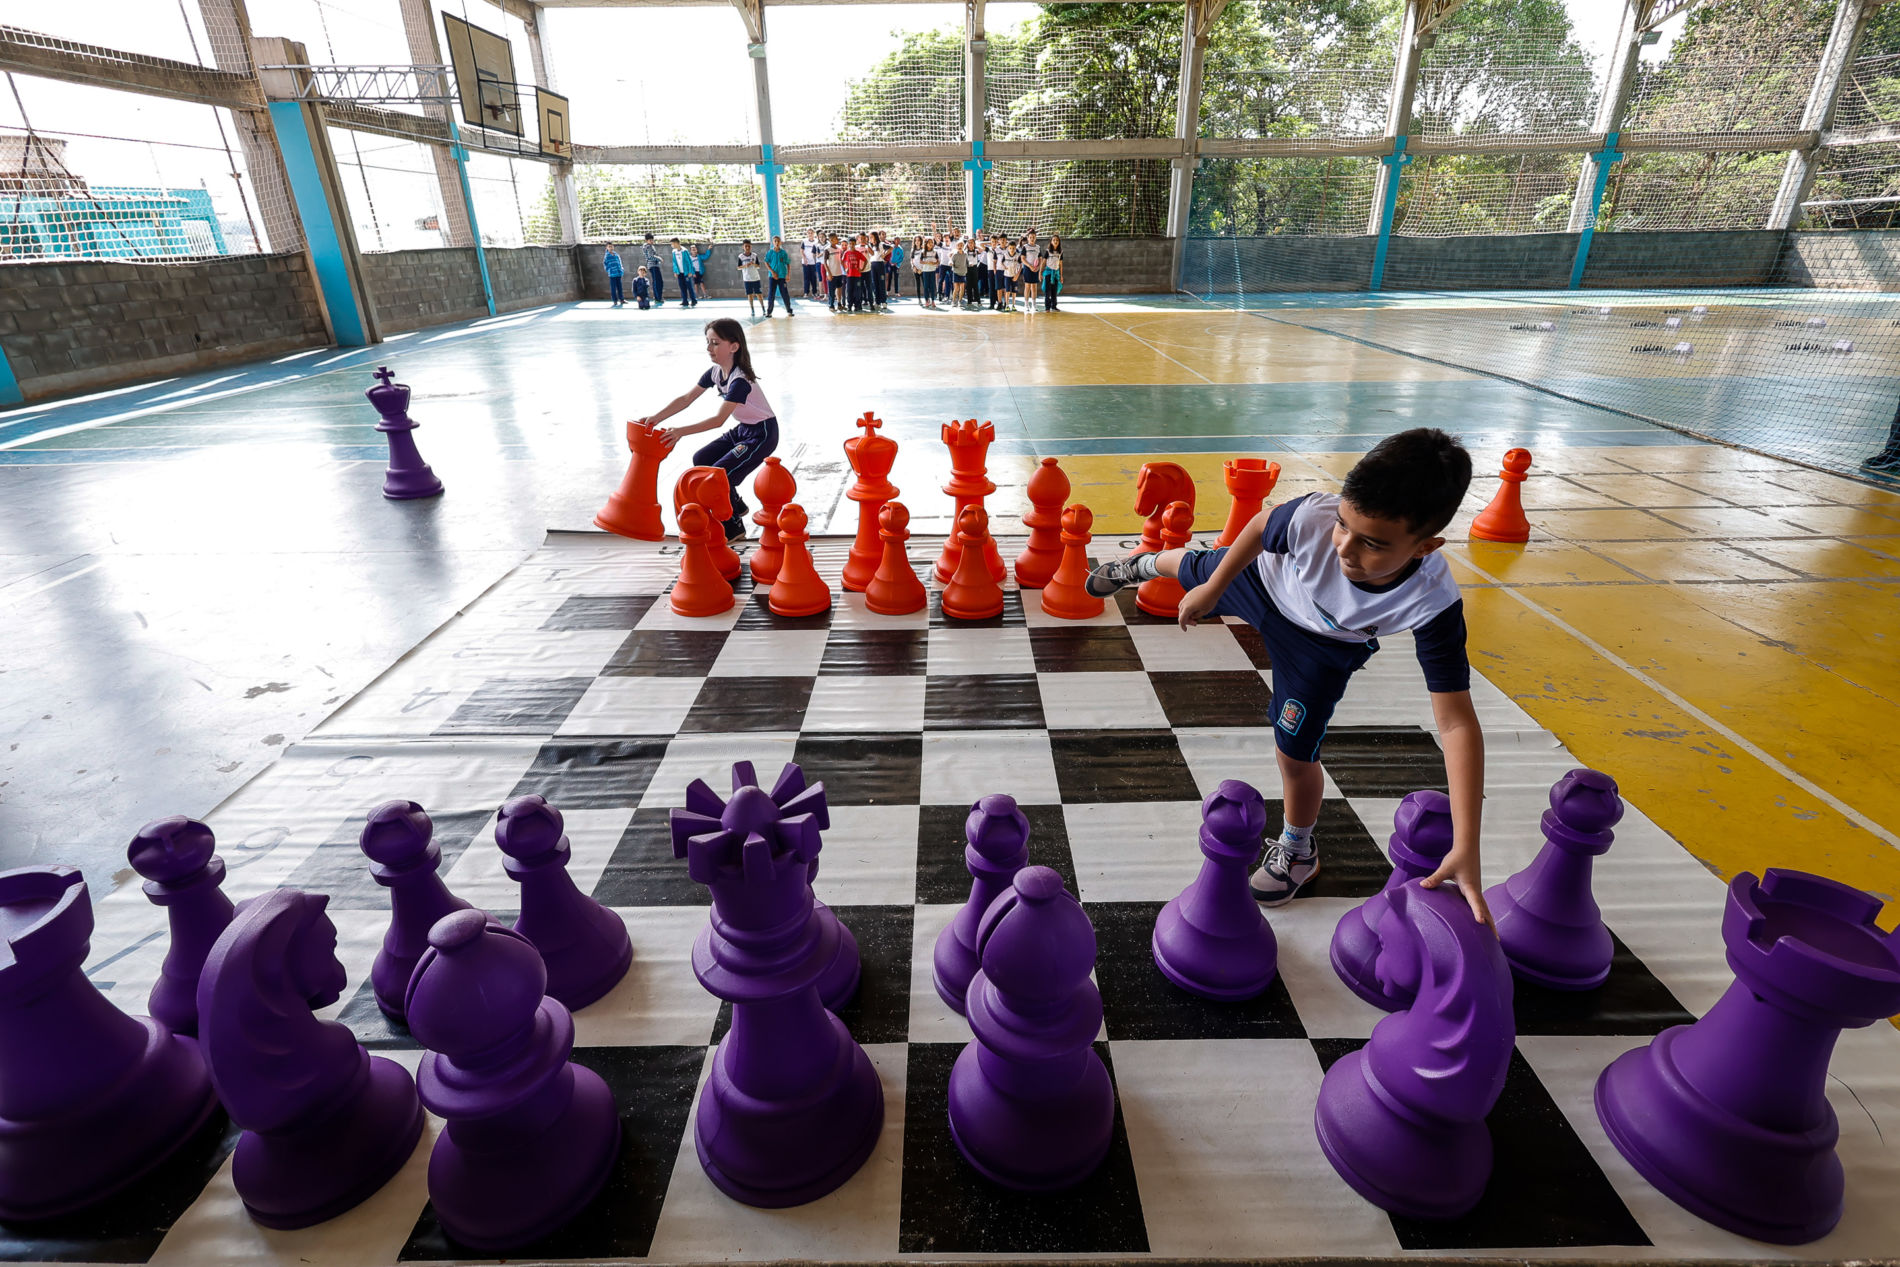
412	289
74	326
1743	257
1530	260
530	276
1859	259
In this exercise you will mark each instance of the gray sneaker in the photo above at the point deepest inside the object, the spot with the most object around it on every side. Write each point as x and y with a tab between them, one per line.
1116	574
1283	873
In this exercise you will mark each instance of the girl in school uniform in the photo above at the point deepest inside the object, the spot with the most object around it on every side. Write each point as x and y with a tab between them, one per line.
1052	273
1013	272
959	269
749	274
753	435
923	267
1032	269
973	272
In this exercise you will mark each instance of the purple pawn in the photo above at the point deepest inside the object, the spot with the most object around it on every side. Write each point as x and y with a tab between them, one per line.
325	1123
839	982
408	475
1729	1117
1421	837
1546	916
530	1137
584	944
404	858
1031	1106
90	1099
792	1107
998	833
1213	940
1402	1118
184	875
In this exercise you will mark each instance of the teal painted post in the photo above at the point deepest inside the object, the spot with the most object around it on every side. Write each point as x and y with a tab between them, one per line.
319	224
770	169
10	393
1395	165
1605	158
976	166
459	153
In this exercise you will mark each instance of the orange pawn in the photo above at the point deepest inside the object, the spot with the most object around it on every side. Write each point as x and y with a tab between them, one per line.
774	486
1048	489
634	508
707	486
1159	486
895	589
1503	519
700	590
1249	481
797	590
1066	596
1161	596
972	594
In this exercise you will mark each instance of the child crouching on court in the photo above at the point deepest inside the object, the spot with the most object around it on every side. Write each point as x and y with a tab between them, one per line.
1321	577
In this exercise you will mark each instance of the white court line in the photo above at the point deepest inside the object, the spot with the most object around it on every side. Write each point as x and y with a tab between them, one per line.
187	391
80	400
298	356
510	316
1819	793
344	356
397	338
140	413
10	598
1151	347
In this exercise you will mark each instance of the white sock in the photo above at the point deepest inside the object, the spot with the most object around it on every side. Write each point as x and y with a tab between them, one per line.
1299	839
1146	567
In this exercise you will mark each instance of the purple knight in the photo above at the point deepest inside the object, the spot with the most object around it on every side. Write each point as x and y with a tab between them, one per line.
1421	837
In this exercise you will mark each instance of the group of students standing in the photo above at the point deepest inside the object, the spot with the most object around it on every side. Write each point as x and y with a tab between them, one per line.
649	281
865	273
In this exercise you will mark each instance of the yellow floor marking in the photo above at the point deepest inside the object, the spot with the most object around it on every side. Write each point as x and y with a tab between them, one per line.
1843	521
1152	348
1693	561
1832	559
1612	525
1647	491
1239	348
1539	563
1845	629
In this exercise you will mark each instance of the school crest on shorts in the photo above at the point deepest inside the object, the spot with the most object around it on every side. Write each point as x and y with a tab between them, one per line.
1292	716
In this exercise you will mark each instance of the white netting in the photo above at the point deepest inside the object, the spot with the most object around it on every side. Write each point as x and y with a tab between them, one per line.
1734	67
901	198
1856	187
839	75
657	76
1498	69
156	30
1649	192
1455	195
1260	197
1321	77
341	32
1097	198
711	202
514	201
1058	79
158	181
914	97
1871	93
390	185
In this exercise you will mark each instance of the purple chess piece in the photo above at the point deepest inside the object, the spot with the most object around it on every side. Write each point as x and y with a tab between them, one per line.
792	1107
325	1123
1403	1118
998	836
1421	837
531	1137
408	476
399	841
839	981
91	1099
1546	916
584	944
184	875
1031	1106
1729	1117
1212	939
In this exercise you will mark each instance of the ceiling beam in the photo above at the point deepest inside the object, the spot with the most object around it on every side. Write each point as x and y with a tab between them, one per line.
31	53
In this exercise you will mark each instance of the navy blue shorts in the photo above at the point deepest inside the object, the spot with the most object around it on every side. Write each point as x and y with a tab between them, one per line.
1310	672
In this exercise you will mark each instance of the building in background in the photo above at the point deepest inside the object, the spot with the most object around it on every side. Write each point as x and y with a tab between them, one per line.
47	210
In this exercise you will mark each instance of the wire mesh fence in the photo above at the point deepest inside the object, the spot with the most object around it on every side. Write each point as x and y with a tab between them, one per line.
1687	190
1451	195
1258	197
1061	78
1520	73
905	198
1321	75
1733	68
392	191
514	201
1856	187
1870	93
623	201
1103	198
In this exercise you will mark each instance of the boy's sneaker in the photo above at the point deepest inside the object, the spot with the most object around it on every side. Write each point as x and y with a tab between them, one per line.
1884	462
1116	574
1282	873
735	528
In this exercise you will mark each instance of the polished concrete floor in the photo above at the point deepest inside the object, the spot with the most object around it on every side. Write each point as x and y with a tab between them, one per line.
195	572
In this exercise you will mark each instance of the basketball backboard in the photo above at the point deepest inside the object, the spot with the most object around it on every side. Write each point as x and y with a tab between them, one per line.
484	67
551	109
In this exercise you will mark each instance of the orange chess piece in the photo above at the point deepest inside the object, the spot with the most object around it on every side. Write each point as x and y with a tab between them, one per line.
700	590
707	486
1249	481
870	456
894	589
797	590
1159	486
1048	490
970	483
1161	595
774	486
1503	519
1066	595
972	594
634	508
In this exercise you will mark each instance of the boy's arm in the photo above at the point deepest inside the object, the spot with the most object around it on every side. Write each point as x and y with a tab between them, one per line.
1200	600
1463	740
